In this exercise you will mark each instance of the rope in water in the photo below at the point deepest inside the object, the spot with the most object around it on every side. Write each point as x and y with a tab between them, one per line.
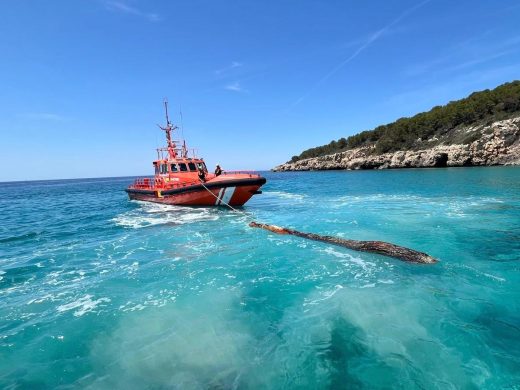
378	247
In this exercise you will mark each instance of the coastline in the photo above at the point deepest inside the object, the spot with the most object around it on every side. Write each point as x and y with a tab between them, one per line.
498	144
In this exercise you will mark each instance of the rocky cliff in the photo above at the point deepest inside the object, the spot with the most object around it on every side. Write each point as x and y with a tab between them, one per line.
495	144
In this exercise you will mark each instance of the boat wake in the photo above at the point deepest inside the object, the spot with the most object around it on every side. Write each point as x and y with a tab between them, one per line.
152	214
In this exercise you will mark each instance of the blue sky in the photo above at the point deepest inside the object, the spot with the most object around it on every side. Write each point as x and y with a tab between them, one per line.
82	82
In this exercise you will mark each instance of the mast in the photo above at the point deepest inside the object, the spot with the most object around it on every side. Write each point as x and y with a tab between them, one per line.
184	149
168	130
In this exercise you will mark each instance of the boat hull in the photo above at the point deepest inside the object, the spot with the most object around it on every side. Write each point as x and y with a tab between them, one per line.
219	193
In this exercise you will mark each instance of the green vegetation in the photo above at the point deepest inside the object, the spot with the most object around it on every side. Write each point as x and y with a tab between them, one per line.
411	133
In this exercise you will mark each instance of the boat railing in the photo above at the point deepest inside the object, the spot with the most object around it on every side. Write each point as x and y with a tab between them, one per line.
143	183
158	183
180	151
250	173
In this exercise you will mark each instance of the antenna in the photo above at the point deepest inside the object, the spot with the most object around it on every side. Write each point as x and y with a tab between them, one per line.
182	122
168	130
185	151
168	123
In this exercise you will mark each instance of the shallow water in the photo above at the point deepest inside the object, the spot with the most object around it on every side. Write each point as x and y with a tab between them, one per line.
100	292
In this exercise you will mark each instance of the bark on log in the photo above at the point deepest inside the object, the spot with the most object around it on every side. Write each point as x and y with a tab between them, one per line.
379	247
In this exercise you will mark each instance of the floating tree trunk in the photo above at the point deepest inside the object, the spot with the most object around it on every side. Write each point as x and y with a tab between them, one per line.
379	247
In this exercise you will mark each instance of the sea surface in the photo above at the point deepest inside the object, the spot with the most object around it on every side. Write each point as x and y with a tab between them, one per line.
100	292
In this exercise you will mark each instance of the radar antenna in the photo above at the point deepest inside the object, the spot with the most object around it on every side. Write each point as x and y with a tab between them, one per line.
168	130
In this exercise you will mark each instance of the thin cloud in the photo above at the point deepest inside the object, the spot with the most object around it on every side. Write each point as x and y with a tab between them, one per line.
235	87
478	61
434	93
226	69
472	52
374	37
118	6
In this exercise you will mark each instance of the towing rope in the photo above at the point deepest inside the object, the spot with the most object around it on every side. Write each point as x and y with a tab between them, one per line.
379	247
221	200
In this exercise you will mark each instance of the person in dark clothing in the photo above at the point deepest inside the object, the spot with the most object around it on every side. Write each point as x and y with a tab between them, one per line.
218	170
202	175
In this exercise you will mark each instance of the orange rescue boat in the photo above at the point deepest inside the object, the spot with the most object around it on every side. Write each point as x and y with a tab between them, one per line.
182	178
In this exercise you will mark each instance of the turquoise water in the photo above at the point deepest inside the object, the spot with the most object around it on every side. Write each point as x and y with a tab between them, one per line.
100	292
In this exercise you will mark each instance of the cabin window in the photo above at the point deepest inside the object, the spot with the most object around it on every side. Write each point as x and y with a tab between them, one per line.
164	168
202	166
156	167
173	168
192	166
183	167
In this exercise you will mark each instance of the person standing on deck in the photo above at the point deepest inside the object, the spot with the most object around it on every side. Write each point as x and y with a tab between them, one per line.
218	170
202	175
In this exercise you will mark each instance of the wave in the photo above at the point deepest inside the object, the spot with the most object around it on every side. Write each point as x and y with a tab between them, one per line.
21	237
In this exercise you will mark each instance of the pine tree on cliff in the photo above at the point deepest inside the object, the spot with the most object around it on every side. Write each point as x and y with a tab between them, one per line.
407	133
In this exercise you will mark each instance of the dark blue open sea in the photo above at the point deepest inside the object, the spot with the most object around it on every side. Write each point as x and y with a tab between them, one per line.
100	292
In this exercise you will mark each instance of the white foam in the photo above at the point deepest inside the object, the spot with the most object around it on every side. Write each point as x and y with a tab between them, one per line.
361	270
83	305
349	257
131	268
151	214
325	295
130	306
286	195
47	297
52	278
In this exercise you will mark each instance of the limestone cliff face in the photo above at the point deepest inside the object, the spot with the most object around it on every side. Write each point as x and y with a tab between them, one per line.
496	144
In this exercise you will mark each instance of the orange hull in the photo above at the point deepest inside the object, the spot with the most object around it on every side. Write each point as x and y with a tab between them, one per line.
235	191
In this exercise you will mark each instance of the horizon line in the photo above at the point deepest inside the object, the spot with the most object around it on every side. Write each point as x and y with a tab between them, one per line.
93	178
